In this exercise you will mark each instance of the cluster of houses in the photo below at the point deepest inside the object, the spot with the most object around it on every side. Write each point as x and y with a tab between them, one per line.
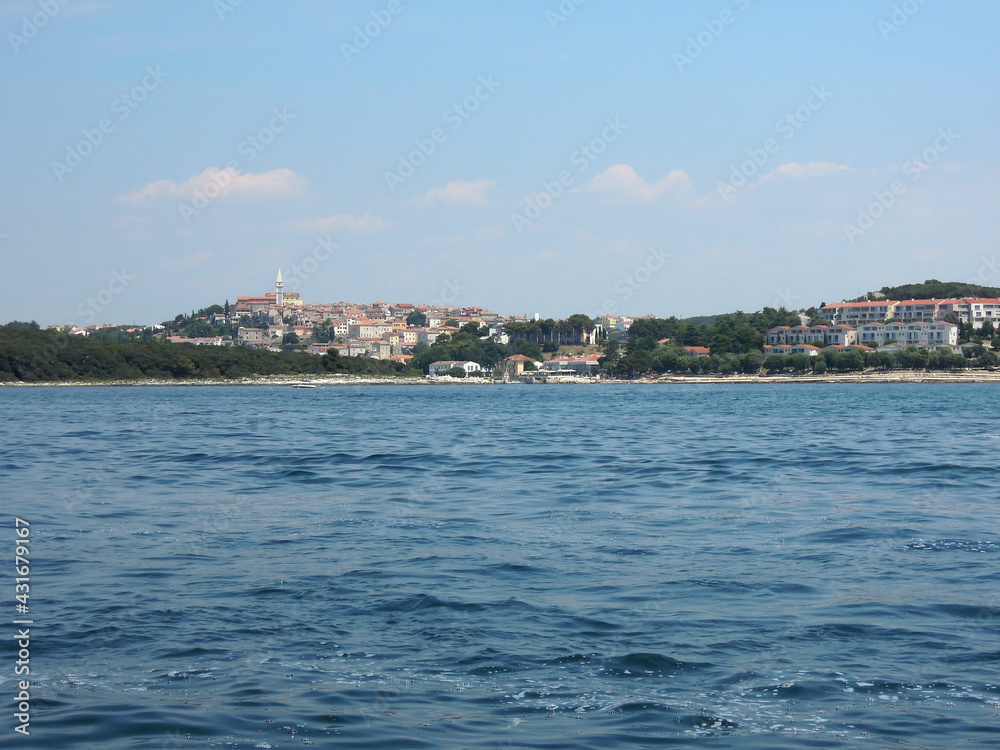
379	330
390	331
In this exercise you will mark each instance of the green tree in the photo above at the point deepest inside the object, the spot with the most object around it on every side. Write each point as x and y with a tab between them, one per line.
751	362
775	363
416	319
728	364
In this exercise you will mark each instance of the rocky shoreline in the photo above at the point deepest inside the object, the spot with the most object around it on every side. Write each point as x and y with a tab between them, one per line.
346	380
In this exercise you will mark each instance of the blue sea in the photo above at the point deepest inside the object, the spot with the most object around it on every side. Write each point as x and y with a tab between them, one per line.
621	566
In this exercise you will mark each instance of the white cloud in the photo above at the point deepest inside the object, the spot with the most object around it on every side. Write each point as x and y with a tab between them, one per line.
342	222
214	182
805	171
459	192
622	182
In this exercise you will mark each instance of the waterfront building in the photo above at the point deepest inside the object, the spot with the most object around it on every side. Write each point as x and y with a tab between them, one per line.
938	333
439	368
854	313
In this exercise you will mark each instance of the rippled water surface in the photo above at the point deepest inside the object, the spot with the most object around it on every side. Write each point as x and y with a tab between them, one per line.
507	567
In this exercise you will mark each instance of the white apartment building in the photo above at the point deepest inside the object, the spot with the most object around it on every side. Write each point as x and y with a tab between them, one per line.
919	310
928	334
839	335
439	368
975	311
368	329
968	310
853	313
807	349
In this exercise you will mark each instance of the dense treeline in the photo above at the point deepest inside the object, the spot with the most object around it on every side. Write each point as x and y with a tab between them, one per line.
675	360
934	289
734	333
549	331
736	341
30	355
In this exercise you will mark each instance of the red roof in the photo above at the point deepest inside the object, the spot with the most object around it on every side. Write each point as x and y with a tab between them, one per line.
879	303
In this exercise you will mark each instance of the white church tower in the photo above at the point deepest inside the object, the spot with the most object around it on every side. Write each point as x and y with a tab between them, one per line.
279	290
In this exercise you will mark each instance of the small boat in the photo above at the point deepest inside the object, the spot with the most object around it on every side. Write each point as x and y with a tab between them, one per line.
304	384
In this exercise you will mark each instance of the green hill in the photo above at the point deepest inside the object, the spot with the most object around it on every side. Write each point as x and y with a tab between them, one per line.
934	289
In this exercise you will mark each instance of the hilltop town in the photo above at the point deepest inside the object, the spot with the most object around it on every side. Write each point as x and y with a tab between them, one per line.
875	331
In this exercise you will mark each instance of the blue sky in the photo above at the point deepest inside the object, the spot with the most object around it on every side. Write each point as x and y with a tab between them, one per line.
636	157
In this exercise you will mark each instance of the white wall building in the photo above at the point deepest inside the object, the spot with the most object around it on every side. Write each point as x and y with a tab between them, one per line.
252	336
854	313
439	368
840	335
368	329
975	311
586	365
928	334
807	349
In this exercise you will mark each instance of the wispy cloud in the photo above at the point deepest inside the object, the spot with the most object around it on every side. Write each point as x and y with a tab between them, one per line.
342	222
459	192
805	171
622	183
215	182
